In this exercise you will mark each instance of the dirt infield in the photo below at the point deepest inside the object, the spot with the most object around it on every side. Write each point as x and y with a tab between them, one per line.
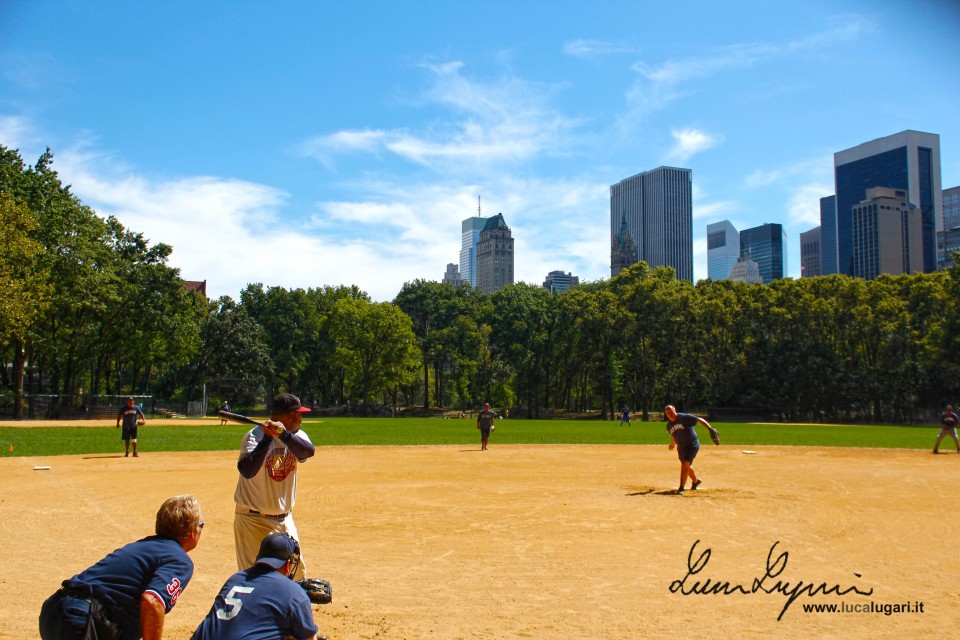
541	542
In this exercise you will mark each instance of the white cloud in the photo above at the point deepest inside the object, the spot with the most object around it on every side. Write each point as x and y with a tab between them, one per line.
16	132
232	233
503	121
585	48
658	85
803	207
689	142
813	170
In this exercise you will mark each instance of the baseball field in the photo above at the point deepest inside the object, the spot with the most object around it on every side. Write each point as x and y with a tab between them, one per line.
536	541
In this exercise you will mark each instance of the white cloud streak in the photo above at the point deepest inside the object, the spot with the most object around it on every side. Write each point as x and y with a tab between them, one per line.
506	121
586	48
658	85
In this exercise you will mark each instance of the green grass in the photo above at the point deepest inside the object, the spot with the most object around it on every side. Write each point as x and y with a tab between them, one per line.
66	440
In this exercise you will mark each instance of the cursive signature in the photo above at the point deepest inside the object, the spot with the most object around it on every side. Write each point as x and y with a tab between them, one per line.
767	583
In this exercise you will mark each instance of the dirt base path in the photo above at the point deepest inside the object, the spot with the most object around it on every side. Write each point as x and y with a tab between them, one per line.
541	542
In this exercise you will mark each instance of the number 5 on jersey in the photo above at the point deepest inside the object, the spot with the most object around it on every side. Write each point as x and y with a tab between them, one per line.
234	602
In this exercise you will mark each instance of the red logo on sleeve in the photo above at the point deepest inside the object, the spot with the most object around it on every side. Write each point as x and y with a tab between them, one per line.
174	590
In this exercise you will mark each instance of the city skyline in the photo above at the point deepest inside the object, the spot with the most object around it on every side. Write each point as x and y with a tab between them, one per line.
344	150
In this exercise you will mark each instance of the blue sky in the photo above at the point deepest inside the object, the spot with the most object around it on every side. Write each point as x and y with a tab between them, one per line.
302	144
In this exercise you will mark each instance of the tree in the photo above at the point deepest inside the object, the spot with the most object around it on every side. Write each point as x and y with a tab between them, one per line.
429	305
234	359
522	320
291	323
376	343
25	289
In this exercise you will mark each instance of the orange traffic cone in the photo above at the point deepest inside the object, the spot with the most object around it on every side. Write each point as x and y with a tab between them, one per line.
11	447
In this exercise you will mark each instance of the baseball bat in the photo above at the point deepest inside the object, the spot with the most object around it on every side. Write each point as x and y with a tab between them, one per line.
236	417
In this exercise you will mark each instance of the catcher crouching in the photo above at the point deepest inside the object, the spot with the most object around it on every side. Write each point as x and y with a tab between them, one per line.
262	601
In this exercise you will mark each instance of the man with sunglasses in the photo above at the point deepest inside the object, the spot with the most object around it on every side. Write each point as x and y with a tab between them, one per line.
262	602
127	594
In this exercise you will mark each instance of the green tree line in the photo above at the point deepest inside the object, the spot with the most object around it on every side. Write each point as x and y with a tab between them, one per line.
86	303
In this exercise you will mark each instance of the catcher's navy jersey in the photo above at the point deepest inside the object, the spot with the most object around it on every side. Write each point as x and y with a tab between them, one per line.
155	564
258	604
682	430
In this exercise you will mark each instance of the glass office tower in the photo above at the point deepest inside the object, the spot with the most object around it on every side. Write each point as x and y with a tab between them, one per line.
723	249
828	235
767	246
909	161
469	237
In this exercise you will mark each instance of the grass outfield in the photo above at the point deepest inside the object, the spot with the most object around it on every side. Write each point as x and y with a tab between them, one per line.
47	441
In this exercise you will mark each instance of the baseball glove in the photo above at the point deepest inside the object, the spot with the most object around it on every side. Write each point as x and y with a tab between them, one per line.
319	591
715	436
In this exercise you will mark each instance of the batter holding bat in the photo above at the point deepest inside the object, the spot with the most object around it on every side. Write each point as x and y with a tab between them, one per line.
267	486
683	436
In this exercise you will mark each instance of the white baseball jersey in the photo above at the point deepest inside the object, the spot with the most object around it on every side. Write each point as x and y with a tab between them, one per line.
273	490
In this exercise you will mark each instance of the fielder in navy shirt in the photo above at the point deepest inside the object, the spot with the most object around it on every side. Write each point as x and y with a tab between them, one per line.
262	602
683	436
127	594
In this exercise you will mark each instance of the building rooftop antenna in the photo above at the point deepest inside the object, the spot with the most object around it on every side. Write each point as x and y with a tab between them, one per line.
478	206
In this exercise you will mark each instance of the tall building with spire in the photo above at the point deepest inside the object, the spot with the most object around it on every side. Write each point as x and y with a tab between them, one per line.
623	253
657	206
494	255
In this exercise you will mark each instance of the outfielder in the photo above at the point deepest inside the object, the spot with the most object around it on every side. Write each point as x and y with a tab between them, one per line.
262	602
132	416
267	486
948	427
485	425
683	436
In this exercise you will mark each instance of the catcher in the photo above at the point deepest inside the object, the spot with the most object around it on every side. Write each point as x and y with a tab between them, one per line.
262	601
683	436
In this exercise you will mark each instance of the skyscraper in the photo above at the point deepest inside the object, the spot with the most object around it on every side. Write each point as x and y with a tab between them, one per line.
494	255
887	234
948	240
723	249
828	235
767	246
810	253
908	161
746	270
558	281
951	208
658	211
469	237
452	276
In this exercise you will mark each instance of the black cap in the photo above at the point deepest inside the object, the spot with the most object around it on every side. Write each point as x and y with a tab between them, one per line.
276	549
287	403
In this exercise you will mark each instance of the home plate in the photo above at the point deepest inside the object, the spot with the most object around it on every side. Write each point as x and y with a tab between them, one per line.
749	452
42	468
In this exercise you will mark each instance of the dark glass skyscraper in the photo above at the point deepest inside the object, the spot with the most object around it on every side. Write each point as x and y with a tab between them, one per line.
828	235
909	161
766	245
